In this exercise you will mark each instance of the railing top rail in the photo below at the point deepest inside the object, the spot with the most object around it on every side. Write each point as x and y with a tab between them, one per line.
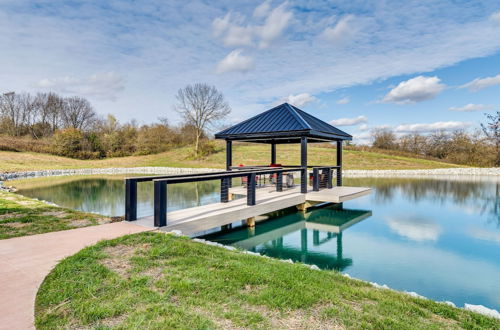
168	176
212	176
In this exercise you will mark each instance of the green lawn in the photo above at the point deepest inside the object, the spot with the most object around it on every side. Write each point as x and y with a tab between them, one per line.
21	216
158	281
248	154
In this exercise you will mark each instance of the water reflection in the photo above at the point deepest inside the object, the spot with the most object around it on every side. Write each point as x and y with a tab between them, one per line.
107	195
277	236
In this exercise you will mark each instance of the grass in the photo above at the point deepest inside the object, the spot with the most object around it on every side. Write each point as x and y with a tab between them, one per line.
21	216
158	281
248	154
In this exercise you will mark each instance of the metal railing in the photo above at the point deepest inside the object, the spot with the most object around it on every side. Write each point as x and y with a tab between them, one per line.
325	175
160	187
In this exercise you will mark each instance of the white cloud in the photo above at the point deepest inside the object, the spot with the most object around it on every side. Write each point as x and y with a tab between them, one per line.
263	9
299	100
364	138
496	17
100	85
472	107
342	32
416	89
432	127
482	83
364	127
234	61
349	121
234	33
414	228
343	100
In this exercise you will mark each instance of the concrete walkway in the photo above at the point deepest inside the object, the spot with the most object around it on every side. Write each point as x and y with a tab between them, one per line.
26	261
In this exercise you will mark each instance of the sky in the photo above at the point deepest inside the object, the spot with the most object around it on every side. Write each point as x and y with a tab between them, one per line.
412	66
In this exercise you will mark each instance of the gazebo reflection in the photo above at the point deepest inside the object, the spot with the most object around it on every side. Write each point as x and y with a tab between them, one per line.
298	236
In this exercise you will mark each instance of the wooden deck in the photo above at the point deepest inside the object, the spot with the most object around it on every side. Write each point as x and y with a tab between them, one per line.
197	219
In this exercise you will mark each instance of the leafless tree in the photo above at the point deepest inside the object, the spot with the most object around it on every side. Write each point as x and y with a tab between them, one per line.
492	131
77	113
201	106
384	138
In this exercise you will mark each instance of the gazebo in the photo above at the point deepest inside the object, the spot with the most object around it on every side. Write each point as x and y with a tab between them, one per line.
285	124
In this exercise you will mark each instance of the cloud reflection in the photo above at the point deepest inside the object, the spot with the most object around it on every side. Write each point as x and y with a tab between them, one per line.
413	227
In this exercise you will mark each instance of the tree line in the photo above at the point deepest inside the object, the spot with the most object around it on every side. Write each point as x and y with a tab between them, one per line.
479	148
69	126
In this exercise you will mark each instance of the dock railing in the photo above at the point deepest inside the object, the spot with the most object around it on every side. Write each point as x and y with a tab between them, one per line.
160	187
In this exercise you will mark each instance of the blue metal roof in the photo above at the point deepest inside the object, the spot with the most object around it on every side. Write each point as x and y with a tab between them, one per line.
283	124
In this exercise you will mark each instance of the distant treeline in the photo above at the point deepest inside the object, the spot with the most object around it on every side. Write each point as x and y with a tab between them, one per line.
480	148
69	126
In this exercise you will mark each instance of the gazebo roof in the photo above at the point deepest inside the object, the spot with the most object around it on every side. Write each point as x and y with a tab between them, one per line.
283	124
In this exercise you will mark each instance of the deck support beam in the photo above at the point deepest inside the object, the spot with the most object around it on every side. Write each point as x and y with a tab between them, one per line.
251	222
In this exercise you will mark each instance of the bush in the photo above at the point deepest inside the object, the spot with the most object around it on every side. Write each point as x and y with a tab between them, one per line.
68	142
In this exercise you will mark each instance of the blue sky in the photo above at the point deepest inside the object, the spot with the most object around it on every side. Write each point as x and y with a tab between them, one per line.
412	65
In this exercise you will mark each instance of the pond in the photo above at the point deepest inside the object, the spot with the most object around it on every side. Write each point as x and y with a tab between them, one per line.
439	238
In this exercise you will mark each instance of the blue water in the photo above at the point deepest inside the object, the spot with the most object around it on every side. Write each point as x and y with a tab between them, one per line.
438	238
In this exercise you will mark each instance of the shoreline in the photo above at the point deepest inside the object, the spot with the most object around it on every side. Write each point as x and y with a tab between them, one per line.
443	173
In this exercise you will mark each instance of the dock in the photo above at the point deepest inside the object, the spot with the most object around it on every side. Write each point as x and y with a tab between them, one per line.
201	218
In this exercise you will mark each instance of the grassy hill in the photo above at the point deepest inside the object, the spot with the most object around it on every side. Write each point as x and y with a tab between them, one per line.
248	154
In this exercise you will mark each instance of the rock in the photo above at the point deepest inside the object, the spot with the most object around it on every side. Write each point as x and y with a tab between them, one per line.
482	310
414	294
314	267
449	303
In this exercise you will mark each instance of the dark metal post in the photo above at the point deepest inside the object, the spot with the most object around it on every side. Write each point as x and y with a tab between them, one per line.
251	189
279	181
303	164
160	199
273	153
339	163
130	199
224	190
329	178
315	179
229	155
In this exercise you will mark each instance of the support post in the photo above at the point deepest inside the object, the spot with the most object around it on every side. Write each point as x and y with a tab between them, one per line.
329	178
315	179
251	189
279	181
130	199
273	153
339	163
303	164
229	155
160	200
251	222
224	190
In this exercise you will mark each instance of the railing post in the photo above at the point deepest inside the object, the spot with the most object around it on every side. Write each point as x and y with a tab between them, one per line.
339	163
303	180
224	190
339	176
130	199
329	179
251	189
279	181
315	179
160	199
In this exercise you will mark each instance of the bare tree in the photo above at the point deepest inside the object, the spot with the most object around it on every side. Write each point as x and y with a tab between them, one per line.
384	138
77	113
492	131
201	106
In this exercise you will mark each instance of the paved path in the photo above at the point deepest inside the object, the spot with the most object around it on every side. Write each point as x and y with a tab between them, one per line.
26	261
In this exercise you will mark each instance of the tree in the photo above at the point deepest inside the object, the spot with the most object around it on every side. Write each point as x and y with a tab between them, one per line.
492	131
384	139
201	106
77	113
